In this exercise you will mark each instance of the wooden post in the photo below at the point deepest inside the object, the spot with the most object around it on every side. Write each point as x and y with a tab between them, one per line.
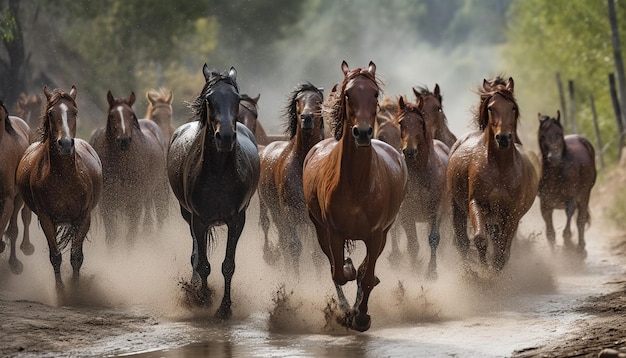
600	150
618	114
559	84
572	106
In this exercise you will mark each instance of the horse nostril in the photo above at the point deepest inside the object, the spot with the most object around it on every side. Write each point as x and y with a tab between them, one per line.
370	132
218	136
355	131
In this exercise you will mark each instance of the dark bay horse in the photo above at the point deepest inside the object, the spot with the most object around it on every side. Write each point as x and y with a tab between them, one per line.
213	169
433	110
280	185
567	177
160	111
60	179
353	187
14	139
133	166
490	177
426	159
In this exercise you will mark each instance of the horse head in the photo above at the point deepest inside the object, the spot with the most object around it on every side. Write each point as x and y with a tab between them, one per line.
28	107
432	103
248	111
221	99
304	111
413	127
498	111
59	119
360	101
160	106
551	141
121	120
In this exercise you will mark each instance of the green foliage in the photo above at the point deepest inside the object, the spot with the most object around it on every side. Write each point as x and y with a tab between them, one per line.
7	26
572	38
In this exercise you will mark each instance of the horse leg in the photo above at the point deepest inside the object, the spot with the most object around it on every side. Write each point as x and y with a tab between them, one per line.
26	246
546	213
433	241
235	227
367	279
76	255
502	240
133	210
49	230
323	238
395	255
291	246
162	203
581	220
570	208
199	260
6	209
270	253
459	223
110	226
480	236
413	246
16	265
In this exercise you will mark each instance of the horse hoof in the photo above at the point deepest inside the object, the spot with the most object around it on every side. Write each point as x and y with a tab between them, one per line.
27	249
16	266
224	313
361	322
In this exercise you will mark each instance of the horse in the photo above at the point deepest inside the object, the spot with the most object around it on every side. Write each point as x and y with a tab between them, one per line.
249	116
426	159
490	177
14	139
213	169
386	129
280	184
435	116
160	111
29	109
133	165
568	175
60	179
353	187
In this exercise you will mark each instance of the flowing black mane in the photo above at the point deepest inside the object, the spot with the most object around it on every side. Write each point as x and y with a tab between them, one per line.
291	112
198	106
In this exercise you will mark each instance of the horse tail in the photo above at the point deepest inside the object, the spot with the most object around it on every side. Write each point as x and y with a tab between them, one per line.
64	234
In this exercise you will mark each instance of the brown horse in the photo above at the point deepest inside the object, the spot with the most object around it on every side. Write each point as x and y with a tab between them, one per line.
213	168
426	159
386	129
14	139
29	109
433	110
160	111
133	166
568	175
353	187
60	179
280	185
249	117
490	177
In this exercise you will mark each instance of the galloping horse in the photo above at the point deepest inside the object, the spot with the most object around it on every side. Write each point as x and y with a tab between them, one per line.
133	166
353	187
426	159
60	179
490	177
213	168
433	110
386	129
160	111
280	185
14	139
568	175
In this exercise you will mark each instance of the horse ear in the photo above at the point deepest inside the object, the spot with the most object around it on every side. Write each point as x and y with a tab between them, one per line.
169	97
110	98
510	85
539	117
344	67
151	96
420	102
132	98
73	92
232	73
417	94
256	98
401	103
438	93
558	116
485	83
206	72
45	91
372	68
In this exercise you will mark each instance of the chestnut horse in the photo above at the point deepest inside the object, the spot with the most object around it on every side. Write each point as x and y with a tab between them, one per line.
160	111
213	168
568	175
14	139
60	179
353	187
133	166
426	159
490	177
433	110
280	185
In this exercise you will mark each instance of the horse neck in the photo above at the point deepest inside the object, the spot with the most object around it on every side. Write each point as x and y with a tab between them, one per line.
302	142
59	163
210	157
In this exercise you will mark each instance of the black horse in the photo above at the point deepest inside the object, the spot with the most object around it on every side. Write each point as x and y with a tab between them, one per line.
213	168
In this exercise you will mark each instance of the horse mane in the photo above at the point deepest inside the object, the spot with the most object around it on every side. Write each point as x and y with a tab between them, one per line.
291	112
55	96
197	106
336	107
488	89
546	121
8	126
424	91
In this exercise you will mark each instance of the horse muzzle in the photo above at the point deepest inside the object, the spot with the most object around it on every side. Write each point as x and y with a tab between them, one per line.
225	142
66	145
410	153
504	140
307	121
362	135
123	142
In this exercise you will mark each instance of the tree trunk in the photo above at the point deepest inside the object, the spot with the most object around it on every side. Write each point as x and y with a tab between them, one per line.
619	64
618	114
600	150
16	75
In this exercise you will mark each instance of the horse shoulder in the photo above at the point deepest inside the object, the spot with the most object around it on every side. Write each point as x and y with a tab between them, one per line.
394	164
23	130
153	132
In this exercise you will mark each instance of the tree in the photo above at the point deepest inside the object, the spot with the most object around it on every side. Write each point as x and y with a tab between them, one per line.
12	67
